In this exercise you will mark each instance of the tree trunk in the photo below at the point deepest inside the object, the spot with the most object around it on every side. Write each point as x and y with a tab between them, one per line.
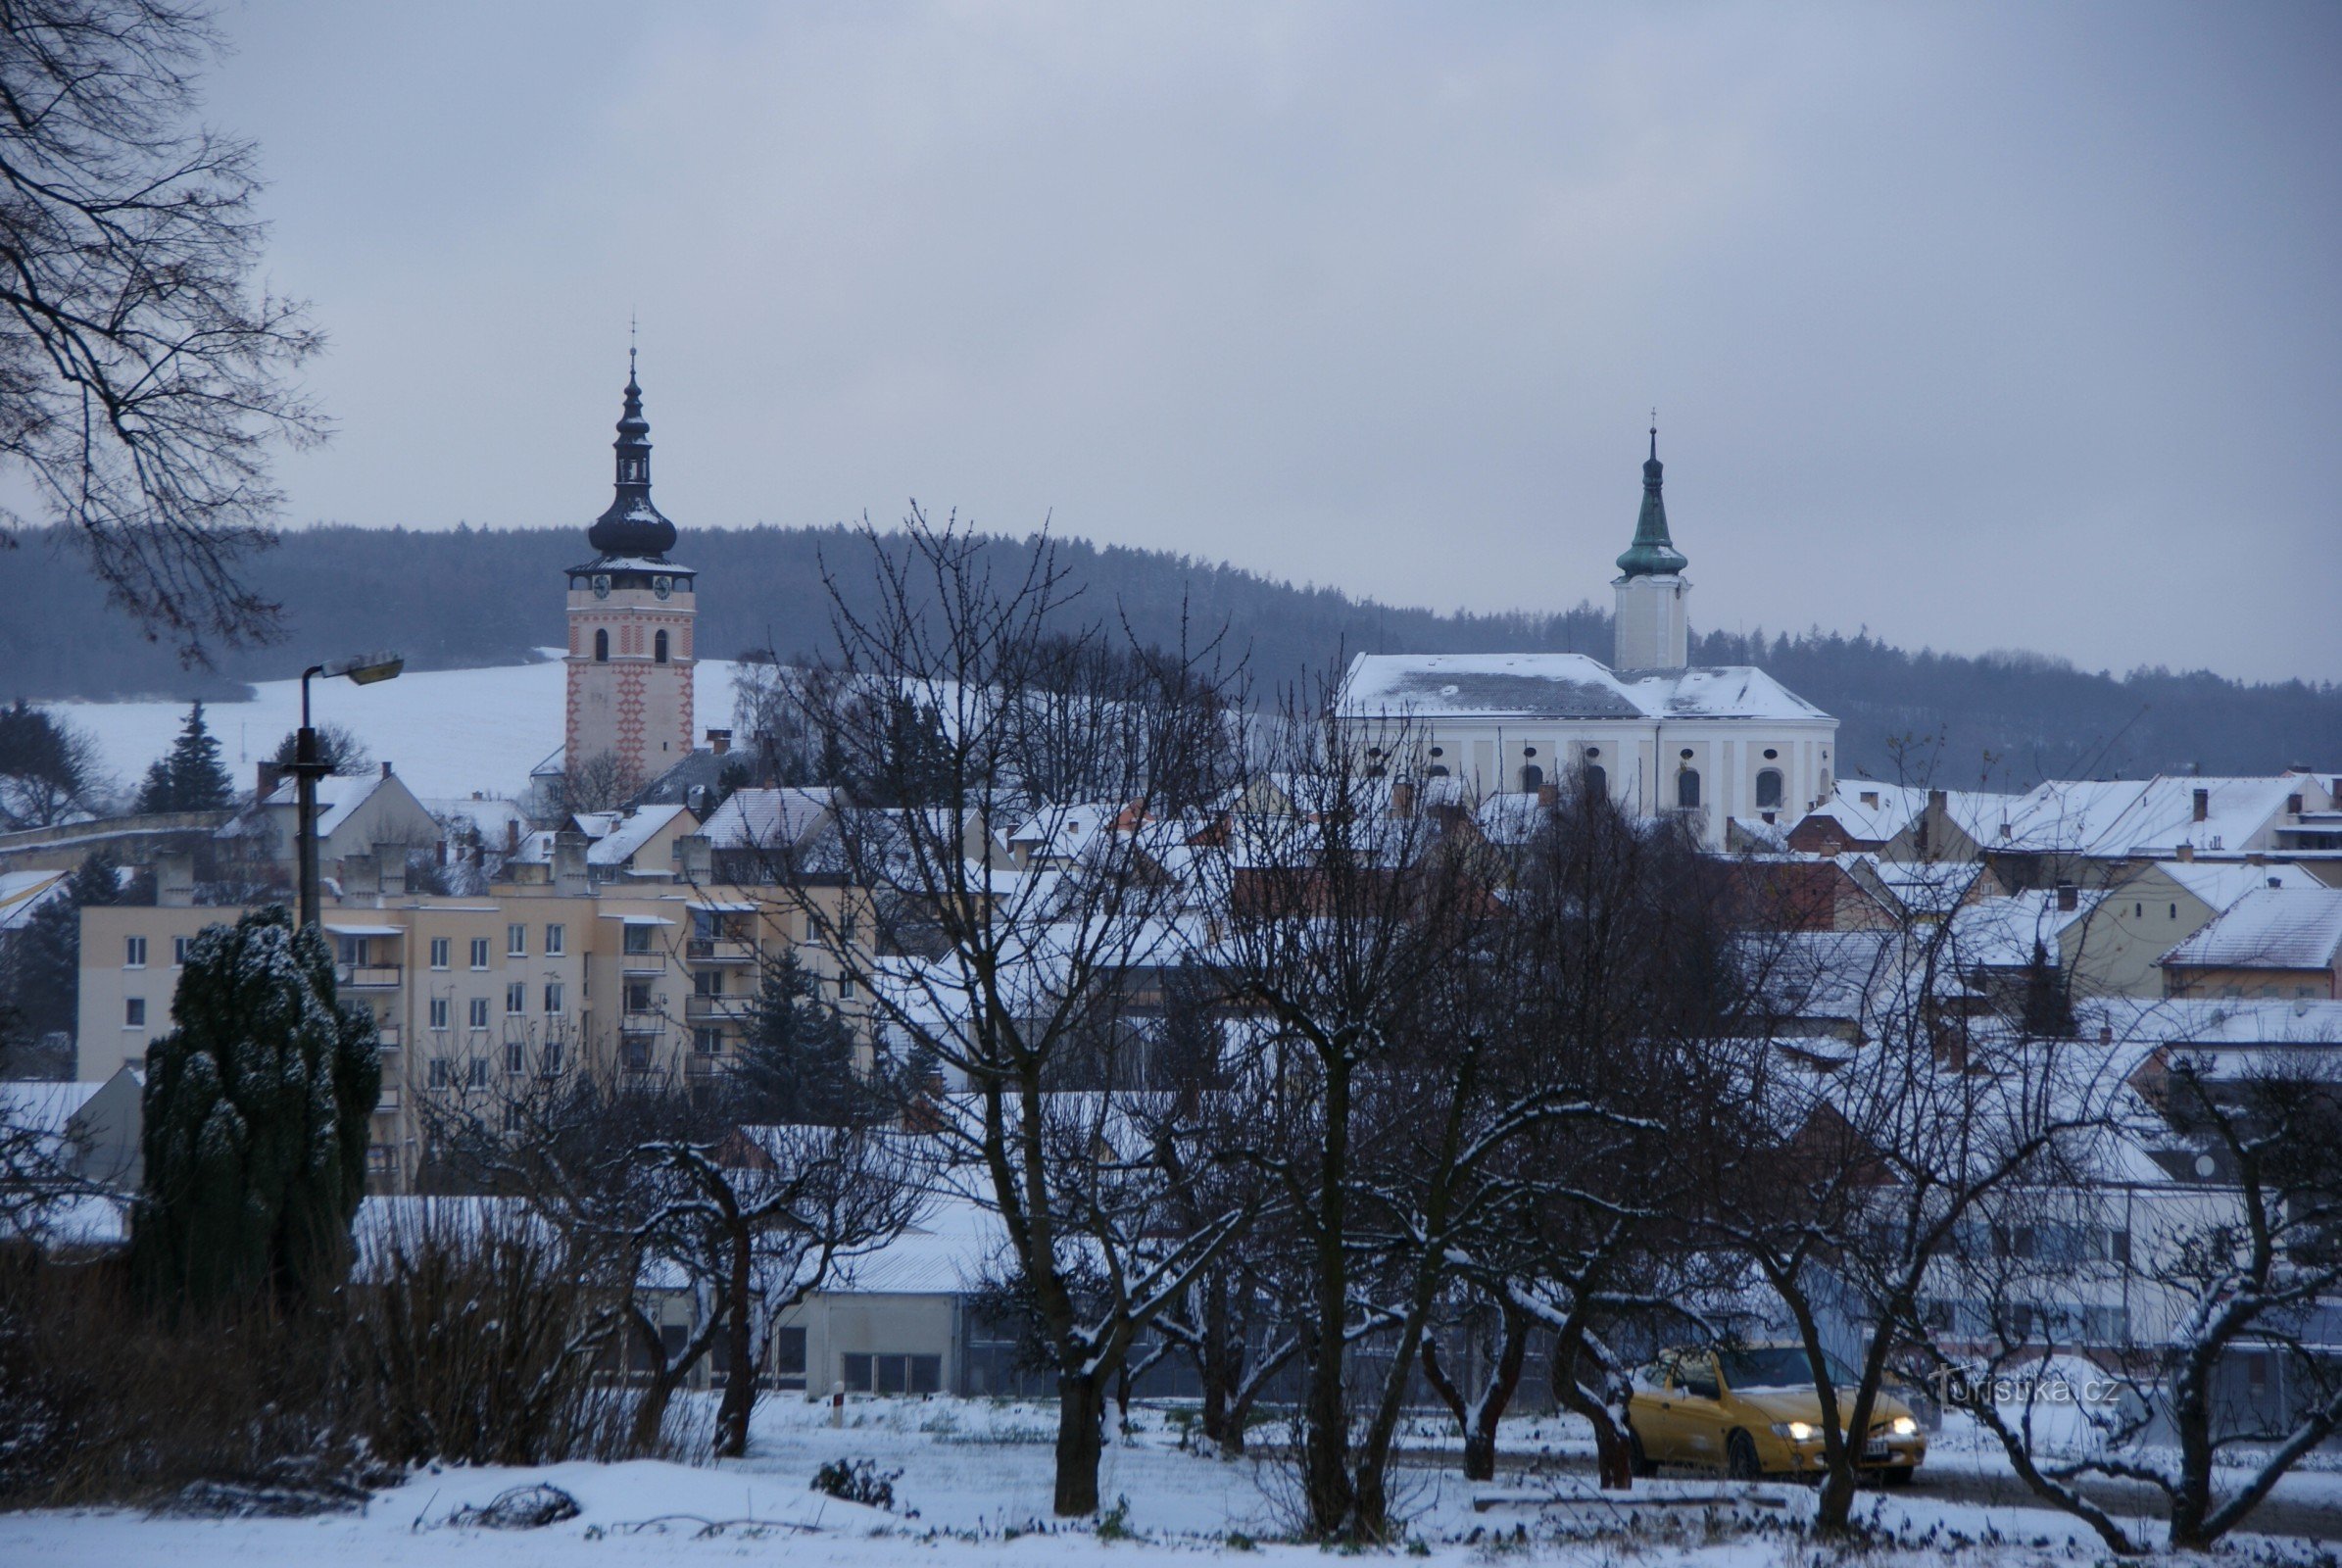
1479	1422
1613	1455
1080	1440
740	1381
1326	1489
650	1410
1219	1367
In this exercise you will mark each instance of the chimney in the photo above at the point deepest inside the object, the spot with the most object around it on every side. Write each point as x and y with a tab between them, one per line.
2069	896
2187	852
569	876
386	767
720	740
695	858
1936	800
1402	799
267	774
2276	881
512	835
391	858
2203	805
175	880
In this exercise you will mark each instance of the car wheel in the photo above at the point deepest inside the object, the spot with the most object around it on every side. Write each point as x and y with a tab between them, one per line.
1741	1457
1636	1460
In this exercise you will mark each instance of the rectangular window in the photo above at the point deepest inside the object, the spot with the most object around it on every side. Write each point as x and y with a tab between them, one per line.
789	1352
178	949
844	985
134	1013
516	998
440	1077
707	1041
637	939
515	1056
708	983
516	941
439	1012
892	1373
134	953
553	998
551	1057
479	953
637	996
555	940
439	953
479	1012
479	1072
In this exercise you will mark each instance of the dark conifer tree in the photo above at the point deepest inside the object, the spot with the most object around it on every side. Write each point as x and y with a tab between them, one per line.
40	980
256	1122
797	1062
189	777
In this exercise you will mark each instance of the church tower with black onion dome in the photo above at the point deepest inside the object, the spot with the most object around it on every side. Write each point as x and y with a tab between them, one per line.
630	627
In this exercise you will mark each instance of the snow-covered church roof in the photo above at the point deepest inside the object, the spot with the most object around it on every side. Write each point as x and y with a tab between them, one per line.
1559	686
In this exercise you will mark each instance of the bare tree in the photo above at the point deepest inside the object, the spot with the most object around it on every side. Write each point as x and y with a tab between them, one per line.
1846	1180
2235	1258
141	378
965	712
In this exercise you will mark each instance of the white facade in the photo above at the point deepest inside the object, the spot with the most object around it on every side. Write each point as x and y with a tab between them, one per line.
1653	625
1713	743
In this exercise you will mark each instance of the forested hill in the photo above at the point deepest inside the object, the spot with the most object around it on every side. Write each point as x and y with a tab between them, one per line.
489	595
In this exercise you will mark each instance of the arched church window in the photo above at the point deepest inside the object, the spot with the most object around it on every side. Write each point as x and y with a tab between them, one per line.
1436	770
1597	782
1687	789
659	649
601	646
1768	787
1532	778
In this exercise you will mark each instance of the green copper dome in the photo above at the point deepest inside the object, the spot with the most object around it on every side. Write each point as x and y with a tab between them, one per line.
1652	554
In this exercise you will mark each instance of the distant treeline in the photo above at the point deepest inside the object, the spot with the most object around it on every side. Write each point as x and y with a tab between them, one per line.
483	596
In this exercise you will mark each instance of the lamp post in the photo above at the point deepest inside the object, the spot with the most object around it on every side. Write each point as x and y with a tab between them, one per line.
364	671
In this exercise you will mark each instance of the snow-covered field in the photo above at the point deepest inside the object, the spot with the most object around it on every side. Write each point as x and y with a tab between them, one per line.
448	732
974	1488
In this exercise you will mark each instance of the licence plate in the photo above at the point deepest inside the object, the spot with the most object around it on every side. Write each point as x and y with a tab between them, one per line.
1875	1450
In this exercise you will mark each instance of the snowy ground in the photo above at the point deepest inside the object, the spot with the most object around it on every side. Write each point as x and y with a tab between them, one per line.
448	732
974	1488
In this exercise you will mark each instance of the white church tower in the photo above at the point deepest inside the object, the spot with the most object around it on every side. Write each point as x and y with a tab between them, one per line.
630	624
1653	626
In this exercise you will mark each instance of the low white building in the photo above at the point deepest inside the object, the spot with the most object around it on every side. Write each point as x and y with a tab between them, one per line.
1657	734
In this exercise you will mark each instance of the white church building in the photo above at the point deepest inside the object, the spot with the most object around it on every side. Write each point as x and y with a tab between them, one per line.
1657	733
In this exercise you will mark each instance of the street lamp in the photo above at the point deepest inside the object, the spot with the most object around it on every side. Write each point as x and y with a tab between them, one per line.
362	669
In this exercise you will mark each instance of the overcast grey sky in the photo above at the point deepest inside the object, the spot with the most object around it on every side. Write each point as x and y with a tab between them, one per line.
1983	327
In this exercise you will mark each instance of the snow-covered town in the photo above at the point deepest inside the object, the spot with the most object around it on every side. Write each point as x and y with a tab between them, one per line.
853	1042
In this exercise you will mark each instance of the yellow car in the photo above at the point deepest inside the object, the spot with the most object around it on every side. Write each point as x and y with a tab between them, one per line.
1750	1410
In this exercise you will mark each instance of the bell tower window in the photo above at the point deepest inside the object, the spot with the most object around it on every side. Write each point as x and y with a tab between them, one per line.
601	646
1768	788
1687	789
659	649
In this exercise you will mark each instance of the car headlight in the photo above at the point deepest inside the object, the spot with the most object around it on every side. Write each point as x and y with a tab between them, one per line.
1795	1431
1904	1426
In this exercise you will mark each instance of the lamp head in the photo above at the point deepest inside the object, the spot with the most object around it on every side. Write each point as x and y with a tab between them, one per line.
363	670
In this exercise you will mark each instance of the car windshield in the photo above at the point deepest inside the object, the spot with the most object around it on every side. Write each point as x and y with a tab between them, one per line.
1778	1366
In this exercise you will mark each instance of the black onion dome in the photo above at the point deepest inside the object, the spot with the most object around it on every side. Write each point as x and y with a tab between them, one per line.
632	526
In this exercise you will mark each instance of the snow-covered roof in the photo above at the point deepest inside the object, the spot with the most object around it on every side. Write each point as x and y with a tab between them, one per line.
2145	816
2221	883
23	892
625	832
2269	928
1558	686
767	818
338	794
2001	932
43	1107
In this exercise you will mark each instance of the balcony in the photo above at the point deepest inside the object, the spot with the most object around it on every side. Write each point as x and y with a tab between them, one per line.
710	950
367	976
387	1035
641	1023
388	1104
716	1009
